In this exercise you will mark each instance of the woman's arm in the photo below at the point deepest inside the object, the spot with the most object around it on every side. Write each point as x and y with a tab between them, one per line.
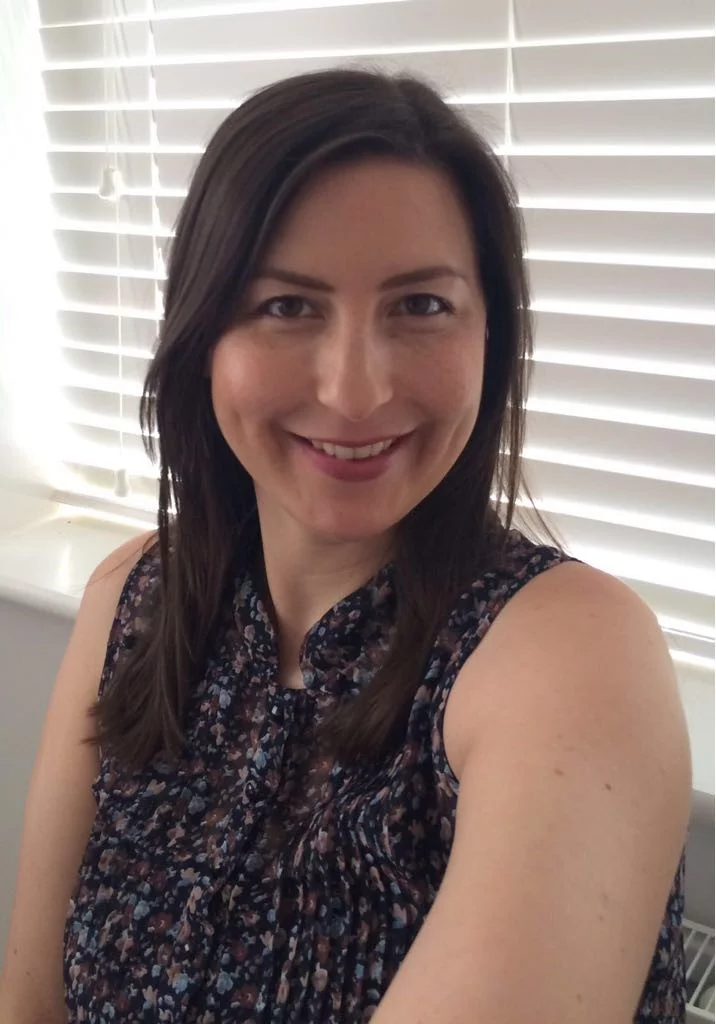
575	790
60	808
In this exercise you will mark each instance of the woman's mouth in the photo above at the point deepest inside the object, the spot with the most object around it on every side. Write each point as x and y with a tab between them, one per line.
351	452
352	463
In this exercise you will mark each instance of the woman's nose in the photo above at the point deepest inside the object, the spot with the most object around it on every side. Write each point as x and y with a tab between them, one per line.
354	371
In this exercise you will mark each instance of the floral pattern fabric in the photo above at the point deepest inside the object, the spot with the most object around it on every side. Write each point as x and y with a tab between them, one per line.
254	884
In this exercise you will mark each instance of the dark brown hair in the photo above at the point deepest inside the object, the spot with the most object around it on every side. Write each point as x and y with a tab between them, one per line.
256	161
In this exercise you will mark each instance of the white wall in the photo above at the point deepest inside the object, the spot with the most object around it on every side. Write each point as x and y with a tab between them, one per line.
31	646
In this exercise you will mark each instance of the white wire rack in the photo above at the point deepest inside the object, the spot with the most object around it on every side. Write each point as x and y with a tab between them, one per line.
699	953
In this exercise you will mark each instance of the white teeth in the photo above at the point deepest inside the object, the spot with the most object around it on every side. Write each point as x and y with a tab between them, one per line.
338	451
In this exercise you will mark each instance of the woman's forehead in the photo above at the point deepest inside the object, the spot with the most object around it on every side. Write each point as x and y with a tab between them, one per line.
377	220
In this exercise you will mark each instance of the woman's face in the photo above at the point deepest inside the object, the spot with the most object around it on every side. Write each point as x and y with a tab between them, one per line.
349	356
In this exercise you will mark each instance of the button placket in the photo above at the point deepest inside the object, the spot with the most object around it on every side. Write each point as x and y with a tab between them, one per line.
270	752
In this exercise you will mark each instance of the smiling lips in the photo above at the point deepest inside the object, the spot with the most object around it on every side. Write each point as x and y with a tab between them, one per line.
340	451
352	451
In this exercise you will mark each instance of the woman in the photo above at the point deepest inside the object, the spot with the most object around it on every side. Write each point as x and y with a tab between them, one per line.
367	751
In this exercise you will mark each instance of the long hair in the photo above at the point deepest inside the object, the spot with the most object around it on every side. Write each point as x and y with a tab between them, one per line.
259	157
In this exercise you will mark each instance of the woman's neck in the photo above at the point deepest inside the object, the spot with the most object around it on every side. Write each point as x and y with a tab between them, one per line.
299	584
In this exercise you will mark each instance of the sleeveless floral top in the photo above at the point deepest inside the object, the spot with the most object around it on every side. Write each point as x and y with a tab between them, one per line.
187	909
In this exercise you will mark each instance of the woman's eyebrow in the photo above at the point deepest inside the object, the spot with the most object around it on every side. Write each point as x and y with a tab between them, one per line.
409	277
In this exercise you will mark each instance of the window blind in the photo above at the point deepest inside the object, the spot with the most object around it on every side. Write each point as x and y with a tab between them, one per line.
604	115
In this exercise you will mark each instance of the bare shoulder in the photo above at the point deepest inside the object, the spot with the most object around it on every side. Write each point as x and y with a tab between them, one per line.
110	575
87	648
570	593
571	634
102	593
566	732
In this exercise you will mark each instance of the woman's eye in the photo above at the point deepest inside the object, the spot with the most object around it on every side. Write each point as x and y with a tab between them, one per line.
288	306
419	305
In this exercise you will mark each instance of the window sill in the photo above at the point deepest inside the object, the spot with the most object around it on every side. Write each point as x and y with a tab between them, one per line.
49	549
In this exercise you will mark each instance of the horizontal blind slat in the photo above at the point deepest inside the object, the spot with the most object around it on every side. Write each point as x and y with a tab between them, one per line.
106	365
640	553
74	86
685	509
95	41
98	248
603	283
79	12
90	127
675	454
691	646
608	389
633	339
85	169
60	11
98	447
100	290
102	331
694	611
90	208
553	19
182	8
644	64
91	402
673	234
612	122
661	178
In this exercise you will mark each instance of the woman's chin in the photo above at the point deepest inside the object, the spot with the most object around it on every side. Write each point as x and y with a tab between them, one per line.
349	529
